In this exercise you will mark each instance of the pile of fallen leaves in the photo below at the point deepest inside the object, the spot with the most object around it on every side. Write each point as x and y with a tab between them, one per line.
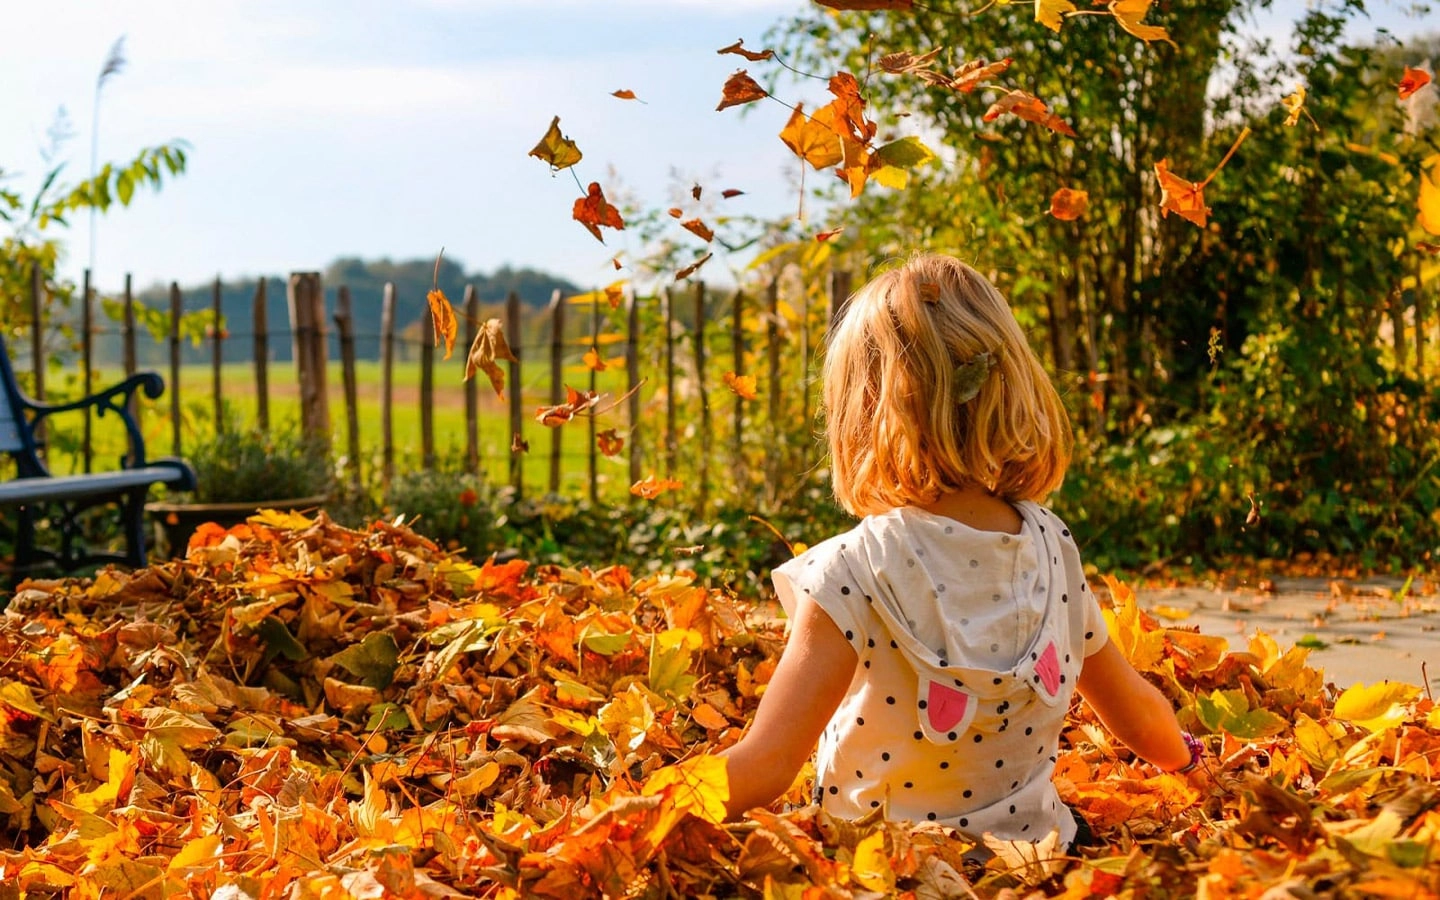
301	709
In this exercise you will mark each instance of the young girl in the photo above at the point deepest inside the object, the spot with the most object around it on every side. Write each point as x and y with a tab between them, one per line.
934	647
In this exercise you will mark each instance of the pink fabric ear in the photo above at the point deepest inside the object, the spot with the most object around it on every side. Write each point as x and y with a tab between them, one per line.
1048	668
946	706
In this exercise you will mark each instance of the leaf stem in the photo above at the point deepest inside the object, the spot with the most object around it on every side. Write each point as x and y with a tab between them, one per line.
1229	153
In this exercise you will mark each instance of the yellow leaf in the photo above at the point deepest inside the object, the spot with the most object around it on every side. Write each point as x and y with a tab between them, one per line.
474	782
556	149
699	785
289	521
1050	12
196	853
1129	13
813	138
17	695
442	317
1376	707
870	867
741	385
1429	202
593	361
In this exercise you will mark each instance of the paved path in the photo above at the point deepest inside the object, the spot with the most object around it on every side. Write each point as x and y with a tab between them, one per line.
1373	629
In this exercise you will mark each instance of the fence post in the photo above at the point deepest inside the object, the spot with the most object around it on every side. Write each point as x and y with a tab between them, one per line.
345	322
87	359
387	384
307	321
217	353
737	353
260	318
772	381
37	343
557	376
703	391
839	292
595	346
175	311
427	392
1422	312
668	298
472	392
127	332
632	381
512	337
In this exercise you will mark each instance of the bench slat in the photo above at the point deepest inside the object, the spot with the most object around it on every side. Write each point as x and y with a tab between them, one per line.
9	428
73	487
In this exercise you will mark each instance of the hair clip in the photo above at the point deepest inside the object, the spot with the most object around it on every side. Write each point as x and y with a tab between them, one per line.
970	377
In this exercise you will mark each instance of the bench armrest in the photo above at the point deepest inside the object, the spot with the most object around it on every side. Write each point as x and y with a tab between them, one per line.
113	399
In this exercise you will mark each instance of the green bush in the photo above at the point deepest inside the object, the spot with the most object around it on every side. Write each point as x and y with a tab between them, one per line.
240	465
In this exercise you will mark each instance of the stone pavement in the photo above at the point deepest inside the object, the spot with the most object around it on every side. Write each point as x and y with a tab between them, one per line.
1372	629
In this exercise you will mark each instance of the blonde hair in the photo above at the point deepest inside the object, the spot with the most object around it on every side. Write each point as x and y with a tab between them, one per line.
899	434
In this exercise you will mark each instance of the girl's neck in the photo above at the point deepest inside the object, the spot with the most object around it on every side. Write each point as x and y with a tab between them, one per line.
977	508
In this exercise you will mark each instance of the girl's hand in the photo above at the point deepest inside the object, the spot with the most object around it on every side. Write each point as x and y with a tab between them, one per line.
812	678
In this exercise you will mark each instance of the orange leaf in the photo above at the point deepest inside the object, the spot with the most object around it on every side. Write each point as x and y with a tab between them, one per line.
896	5
1129	13
813	138
556	149
730	192
1179	196
576	402
675	212
693	267
823	236
699	229
849	107
488	346
615	261
652	487
615	295
609	442
1069	204
976	72
1030	108
1412	81
623	95
695	191
738	48
442	315
592	211
1427	247
740	89
903	63
518	444
742	385
594	361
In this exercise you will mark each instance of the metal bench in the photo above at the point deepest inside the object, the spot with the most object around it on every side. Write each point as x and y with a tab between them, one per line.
59	500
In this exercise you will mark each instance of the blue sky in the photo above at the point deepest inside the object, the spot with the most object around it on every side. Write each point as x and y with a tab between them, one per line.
360	127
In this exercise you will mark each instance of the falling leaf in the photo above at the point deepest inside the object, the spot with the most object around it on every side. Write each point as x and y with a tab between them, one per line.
1429	201
624	95
615	261
1050	13
695	191
742	385
652	487
490	345
1295	105
740	89
442	316
823	236
1427	247
1179	196
593	211
904	63
518	444
609	442
675	212
813	139
1030	108
895	5
615	295
1069	204
975	73
1412	81
699	229
593	361
1129	13
738	48
692	268
576	402
556	149
730	192
929	292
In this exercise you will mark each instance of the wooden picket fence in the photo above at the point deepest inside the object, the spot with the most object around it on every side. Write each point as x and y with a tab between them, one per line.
694	345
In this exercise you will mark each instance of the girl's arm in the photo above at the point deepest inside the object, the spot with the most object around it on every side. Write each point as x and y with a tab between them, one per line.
1132	708
809	683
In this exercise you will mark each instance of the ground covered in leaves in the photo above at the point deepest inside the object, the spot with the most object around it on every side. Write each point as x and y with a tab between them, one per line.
299	710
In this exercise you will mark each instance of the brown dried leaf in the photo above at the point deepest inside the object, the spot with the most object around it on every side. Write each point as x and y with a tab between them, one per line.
488	346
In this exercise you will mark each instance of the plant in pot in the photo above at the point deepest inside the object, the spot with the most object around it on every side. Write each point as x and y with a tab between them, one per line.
239	471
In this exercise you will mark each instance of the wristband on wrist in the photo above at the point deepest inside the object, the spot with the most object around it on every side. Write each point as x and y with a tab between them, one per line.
1196	749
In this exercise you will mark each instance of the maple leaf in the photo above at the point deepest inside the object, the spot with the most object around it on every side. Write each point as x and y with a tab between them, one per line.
1030	108
651	487
738	48
442	316
624	95
813	138
593	211
488	346
903	63
556	149
1411	81
892	5
609	442
1051	12
1185	199
693	267
1129	13
741	385
1069	204
576	402
740	89
699	229
593	361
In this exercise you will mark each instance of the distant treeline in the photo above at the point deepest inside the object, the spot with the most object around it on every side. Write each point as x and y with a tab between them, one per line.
366	281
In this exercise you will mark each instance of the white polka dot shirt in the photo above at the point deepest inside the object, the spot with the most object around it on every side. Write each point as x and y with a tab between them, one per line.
970	643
